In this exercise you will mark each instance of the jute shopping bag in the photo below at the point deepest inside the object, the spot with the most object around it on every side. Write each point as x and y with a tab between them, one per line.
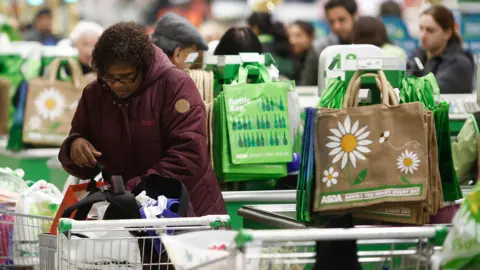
368	155
51	105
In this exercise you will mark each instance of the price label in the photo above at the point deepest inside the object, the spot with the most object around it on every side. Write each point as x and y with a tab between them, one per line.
250	57
369	63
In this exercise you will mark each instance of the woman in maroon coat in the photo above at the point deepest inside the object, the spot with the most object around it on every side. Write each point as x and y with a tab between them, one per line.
142	116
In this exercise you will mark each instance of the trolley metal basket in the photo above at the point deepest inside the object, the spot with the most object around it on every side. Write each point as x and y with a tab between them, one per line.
384	248
117	244
19	242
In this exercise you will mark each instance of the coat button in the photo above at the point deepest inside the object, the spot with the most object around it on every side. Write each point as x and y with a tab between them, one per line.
114	102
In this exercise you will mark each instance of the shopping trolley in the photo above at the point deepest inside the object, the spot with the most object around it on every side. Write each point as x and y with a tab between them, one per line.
117	244
19	243
385	248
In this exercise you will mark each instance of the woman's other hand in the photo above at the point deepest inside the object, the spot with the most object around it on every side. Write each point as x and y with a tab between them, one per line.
83	154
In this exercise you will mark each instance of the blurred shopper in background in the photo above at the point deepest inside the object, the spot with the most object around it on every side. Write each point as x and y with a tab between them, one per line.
238	40
84	37
390	9
274	39
341	16
441	52
370	30
177	37
41	30
301	35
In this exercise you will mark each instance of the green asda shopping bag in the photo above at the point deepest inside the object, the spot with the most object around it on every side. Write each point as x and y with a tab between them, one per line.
227	171
257	118
424	89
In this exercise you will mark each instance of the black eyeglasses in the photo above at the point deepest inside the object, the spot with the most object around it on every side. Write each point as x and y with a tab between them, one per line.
121	80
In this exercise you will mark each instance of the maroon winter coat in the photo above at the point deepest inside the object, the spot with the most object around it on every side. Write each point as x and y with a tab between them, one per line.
149	133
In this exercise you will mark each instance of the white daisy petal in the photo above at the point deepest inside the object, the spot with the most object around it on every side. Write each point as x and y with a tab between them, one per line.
333	138
386	133
347	124
334	181
381	140
359	155
335	174
344	160
363	136
335	151
354	127
337	157
353	159
363	149
341	128
365	142
324	179
325	173
360	131
329	183
330	171
333	144
336	132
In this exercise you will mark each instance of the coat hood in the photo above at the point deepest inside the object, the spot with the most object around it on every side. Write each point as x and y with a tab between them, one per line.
160	66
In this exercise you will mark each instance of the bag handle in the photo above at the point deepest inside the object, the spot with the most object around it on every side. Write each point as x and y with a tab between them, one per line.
77	74
246	69
353	89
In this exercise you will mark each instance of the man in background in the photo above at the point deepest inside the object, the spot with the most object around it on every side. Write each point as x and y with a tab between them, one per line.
177	37
341	16
42	28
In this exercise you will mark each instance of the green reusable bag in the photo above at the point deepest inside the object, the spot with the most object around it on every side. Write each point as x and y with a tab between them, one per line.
424	89
332	96
257	118
227	171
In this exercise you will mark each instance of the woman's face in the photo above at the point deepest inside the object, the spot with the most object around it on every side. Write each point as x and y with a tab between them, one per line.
123	79
85	46
299	40
432	36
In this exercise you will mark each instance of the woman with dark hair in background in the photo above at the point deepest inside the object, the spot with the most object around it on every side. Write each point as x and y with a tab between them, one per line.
274	39
370	30
441	52
238	40
301	35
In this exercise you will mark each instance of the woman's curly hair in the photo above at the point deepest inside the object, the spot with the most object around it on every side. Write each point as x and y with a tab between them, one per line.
125	43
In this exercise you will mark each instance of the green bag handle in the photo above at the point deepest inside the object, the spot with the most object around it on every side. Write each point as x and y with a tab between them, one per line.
246	69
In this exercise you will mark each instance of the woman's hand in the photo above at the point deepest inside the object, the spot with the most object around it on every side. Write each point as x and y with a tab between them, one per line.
83	154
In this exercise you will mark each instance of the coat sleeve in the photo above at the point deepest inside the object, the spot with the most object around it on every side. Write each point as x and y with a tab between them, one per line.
79	129
455	75
309	74
464	150
183	123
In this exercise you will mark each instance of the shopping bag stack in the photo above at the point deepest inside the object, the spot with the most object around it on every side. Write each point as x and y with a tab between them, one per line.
424	90
367	160
251	127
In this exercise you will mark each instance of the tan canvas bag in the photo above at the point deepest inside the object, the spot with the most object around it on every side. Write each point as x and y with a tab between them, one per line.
368	155
51	105
4	105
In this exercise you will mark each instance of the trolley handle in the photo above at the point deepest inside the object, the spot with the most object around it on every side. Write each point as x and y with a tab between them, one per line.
67	224
437	233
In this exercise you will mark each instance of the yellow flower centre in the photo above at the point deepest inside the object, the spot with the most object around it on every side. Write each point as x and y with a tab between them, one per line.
50	104
407	162
348	143
329	177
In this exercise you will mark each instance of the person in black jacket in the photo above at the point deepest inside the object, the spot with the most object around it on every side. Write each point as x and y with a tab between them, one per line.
274	39
441	52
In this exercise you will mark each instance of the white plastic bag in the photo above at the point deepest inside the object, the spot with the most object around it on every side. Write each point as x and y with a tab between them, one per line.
211	249
42	199
117	249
